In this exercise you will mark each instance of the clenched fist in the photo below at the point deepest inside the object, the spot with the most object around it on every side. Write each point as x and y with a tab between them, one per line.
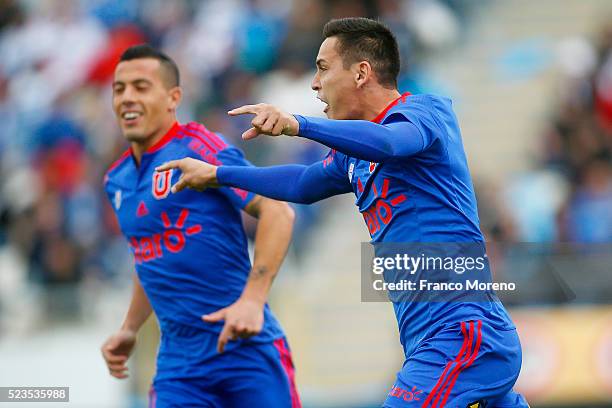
116	350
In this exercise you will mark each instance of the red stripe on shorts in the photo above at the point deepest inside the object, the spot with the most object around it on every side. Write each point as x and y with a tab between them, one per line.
436	388
287	362
152	398
457	366
469	363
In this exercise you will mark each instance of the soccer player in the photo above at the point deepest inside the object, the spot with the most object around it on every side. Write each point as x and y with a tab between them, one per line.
221	346
403	158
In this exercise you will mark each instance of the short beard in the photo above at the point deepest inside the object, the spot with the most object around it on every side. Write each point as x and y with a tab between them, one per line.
135	138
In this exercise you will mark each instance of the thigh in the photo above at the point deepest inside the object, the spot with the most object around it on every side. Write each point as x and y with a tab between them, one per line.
260	375
182	393
511	400
462	365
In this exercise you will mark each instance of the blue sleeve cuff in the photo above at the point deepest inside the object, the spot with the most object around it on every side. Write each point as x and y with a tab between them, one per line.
221	170
303	122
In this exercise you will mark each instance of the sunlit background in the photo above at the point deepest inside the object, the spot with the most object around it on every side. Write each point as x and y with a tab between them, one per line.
531	82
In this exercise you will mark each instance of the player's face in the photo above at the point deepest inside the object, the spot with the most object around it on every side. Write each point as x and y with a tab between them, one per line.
335	85
143	103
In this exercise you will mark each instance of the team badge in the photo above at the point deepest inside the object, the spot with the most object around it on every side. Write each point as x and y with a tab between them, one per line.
372	167
477	404
161	184
117	199
350	171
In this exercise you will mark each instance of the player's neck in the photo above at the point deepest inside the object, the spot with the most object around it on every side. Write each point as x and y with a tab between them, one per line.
377	100
138	149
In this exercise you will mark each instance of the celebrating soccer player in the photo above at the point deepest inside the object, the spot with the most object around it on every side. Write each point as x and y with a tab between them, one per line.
221	346
403	158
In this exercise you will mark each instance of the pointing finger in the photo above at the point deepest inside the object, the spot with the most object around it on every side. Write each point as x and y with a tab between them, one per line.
224	337
172	164
215	316
243	109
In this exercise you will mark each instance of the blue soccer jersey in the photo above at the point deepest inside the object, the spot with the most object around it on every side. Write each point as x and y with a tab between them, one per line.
426	198
190	248
420	193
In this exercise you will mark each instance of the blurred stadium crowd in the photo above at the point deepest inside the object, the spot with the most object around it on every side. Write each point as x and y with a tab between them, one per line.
58	132
566	196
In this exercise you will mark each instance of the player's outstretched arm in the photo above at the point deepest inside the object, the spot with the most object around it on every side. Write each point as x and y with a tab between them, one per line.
245	318
362	139
304	184
117	348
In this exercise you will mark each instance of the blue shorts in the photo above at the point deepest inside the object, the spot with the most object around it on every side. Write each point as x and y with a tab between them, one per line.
246	374
464	365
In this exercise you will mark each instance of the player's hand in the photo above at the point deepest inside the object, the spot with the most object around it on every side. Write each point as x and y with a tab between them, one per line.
196	174
243	319
268	120
116	350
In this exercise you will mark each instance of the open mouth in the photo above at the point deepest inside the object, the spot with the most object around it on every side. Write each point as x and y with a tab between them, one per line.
130	117
326	104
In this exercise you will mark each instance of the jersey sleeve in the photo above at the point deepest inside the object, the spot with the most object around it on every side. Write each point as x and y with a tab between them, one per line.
296	183
421	113
364	139
232	156
335	169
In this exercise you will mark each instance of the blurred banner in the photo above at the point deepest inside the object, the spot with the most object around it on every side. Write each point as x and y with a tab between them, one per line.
567	355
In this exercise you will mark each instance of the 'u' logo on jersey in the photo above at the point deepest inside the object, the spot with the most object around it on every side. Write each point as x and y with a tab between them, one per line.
161	184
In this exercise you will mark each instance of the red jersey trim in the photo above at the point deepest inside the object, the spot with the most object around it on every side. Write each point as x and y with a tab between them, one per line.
204	132
165	139
117	162
199	136
382	114
160	143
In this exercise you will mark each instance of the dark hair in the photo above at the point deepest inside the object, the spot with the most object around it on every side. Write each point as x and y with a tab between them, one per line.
363	39
146	51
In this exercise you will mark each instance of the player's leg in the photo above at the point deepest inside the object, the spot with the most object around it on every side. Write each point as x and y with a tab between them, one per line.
420	375
463	365
183	377
488	381
259	376
511	400
182	394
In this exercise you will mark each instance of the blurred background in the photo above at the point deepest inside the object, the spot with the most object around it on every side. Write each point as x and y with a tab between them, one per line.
532	86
